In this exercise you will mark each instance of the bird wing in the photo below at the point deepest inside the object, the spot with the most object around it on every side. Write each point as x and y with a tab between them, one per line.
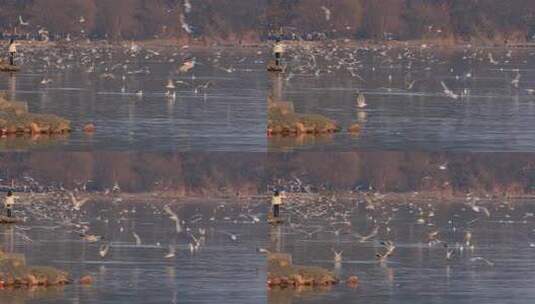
73	198
138	239
168	210
369	236
486	211
103	251
194	238
476	259
444	86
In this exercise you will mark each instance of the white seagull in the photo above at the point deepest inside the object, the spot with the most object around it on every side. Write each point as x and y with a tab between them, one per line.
449	92
173	216
138	239
327	13
77	204
361	101
22	21
103	250
171	253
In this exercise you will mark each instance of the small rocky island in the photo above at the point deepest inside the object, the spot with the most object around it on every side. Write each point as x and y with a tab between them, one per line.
282	120
15	273
6	67
16	120
283	273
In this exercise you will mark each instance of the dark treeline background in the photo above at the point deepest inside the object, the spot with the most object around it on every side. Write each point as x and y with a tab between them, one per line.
255	19
224	173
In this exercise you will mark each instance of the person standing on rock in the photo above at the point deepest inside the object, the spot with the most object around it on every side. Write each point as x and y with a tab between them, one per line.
276	202
278	50
9	203
12	51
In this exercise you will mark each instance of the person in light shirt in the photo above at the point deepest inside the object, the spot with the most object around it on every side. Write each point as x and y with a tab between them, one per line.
276	202
9	203
278	50
12	51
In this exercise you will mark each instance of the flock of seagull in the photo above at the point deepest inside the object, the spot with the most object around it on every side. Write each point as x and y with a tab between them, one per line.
336	218
362	62
75	213
309	215
124	67
122	64
314	217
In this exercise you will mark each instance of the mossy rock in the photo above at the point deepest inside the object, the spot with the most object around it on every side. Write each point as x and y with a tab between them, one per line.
283	273
15	273
284	122
4	67
15	119
49	276
273	67
9	220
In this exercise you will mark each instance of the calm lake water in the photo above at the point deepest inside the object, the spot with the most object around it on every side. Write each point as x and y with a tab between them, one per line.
227	271
407	108
139	273
151	142
88	86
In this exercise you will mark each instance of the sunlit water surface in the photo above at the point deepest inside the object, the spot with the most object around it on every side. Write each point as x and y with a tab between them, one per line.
105	88
407	108
227	271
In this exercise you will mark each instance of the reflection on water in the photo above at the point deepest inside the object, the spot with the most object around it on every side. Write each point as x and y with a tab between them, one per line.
494	265
230	174
334	200
141	273
35	141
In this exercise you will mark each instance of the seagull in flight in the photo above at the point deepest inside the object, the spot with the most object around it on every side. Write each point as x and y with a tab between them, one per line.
361	101
364	238
171	253
450	252
389	246
187	66
187	6
338	256
77	204
478	209
481	259
174	217
103	250
22	21
232	236
449	92
327	13
516	81
138	239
